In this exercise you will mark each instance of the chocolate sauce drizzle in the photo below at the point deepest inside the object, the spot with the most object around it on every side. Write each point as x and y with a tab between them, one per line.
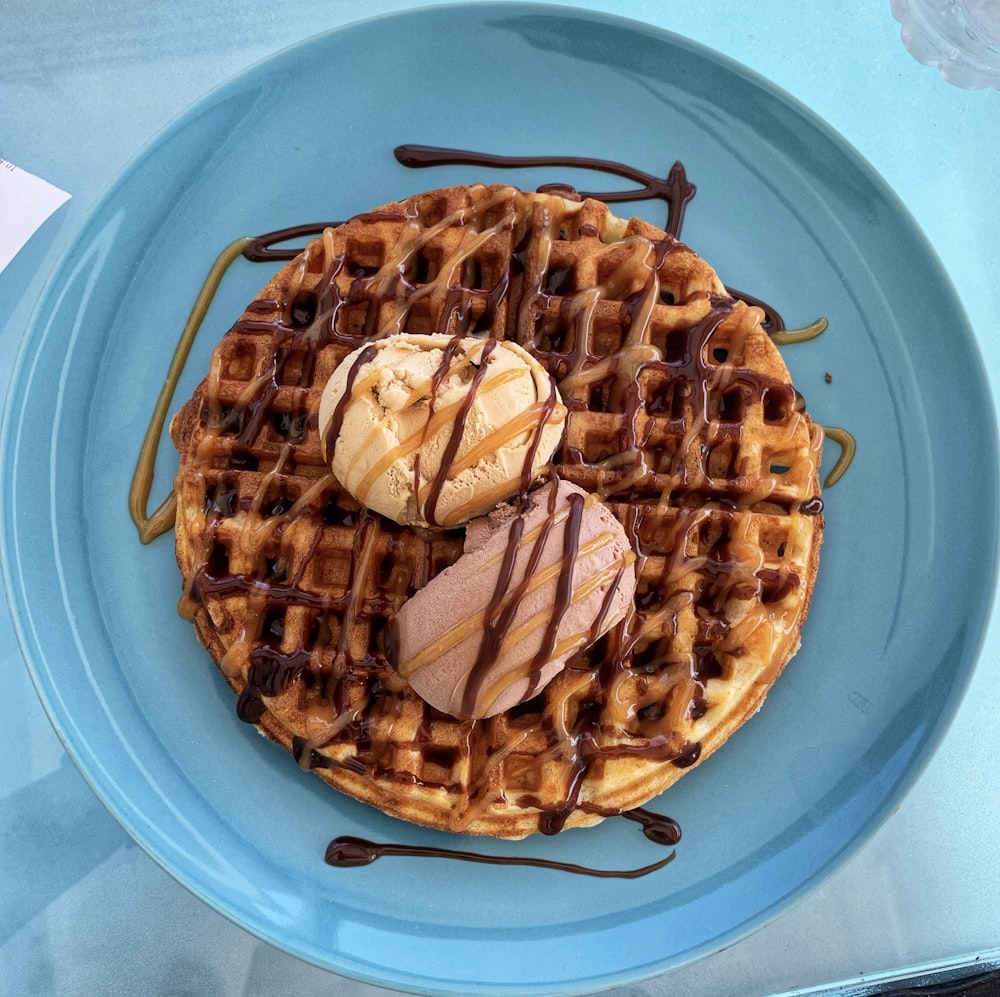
458	430
507	601
270	671
337	420
348	852
265	248
674	188
656	827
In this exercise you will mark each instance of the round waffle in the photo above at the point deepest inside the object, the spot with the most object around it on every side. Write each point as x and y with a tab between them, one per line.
681	416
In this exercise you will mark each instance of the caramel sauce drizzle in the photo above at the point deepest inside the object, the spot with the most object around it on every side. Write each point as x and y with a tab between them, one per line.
848	447
786	337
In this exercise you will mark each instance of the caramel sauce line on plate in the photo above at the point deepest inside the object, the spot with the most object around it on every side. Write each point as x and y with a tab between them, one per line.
848	447
162	519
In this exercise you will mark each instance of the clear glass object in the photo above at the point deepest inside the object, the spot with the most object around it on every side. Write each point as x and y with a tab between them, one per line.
960	37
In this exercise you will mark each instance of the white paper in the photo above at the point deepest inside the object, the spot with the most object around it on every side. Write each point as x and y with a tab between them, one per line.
25	202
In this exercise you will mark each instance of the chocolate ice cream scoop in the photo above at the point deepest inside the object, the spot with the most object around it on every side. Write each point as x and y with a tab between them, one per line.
532	587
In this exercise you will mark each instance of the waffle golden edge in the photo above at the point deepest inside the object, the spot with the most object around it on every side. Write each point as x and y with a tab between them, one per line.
680	421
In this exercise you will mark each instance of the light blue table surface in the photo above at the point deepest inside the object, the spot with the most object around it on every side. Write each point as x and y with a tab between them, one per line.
84	86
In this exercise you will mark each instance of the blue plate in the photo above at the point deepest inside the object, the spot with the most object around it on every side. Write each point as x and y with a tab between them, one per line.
784	210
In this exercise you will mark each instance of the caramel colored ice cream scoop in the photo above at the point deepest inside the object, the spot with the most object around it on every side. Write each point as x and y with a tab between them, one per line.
436	430
531	588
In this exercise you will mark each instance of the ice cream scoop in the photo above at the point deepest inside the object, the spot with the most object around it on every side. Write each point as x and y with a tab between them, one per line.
531	587
436	430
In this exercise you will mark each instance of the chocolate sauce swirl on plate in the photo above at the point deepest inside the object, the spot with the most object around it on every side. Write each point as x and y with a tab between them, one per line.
347	851
674	189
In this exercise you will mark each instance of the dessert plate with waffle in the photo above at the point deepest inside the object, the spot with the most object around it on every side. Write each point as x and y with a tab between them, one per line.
497	508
